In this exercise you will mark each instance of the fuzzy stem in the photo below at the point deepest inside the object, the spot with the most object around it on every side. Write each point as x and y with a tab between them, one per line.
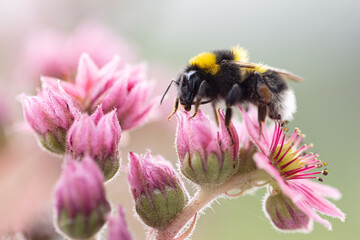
202	198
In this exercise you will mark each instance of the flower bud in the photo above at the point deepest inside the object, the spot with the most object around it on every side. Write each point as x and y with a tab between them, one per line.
98	136
285	215
118	229
50	116
157	189
207	153
80	203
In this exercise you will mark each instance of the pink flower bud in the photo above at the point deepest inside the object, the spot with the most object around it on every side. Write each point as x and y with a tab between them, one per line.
285	216
207	153
98	136
50	116
118	229
157	189
80	203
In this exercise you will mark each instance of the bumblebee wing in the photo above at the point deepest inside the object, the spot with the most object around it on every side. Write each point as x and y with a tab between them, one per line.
286	74
282	72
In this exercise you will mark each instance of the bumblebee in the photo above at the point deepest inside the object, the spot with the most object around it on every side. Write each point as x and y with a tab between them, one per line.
227	75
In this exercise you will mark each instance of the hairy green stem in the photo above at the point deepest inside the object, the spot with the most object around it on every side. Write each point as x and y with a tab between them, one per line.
202	198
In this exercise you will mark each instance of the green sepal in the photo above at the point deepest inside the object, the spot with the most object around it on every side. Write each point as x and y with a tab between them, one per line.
162	208
81	226
55	143
110	167
213	173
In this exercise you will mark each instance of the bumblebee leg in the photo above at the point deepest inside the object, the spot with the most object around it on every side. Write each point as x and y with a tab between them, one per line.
264	94
228	116
201	94
216	113
176	107
262	112
233	97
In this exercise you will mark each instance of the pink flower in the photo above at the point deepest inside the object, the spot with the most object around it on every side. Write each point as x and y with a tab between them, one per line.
98	136
207	153
54	53
118	229
125	89
80	202
50	114
291	168
129	94
157	189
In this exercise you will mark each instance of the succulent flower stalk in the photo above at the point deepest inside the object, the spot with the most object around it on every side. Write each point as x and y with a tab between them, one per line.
157	189
98	136
207	153
80	204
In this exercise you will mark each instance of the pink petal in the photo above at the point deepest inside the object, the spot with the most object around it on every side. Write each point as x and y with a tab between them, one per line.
322	189
263	162
253	130
316	201
86	73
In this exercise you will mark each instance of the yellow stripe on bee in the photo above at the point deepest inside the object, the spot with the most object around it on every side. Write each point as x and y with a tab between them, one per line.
240	54
206	61
260	68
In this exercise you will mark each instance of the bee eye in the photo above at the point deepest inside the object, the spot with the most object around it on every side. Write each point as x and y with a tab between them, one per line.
223	61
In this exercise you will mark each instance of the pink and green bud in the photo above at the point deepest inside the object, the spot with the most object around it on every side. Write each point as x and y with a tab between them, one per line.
50	115
98	136
207	153
117	227
285	215
80	204
157	189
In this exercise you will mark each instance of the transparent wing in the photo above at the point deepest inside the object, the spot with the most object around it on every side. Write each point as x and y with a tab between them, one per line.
282	72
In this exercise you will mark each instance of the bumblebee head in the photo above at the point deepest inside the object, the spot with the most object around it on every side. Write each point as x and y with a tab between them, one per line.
189	83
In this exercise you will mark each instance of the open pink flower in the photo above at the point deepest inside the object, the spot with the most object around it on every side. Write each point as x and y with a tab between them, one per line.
291	168
207	153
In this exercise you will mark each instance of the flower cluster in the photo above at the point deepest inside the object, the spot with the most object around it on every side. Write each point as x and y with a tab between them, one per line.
82	119
87	116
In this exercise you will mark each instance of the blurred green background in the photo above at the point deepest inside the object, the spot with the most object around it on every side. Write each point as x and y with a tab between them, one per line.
316	39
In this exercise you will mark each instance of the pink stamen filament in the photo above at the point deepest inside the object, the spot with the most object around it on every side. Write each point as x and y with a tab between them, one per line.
298	170
303	176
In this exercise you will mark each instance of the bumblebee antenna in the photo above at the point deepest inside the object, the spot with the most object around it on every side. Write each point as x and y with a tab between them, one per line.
172	81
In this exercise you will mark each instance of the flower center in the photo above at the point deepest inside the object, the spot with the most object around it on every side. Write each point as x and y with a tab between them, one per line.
291	160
